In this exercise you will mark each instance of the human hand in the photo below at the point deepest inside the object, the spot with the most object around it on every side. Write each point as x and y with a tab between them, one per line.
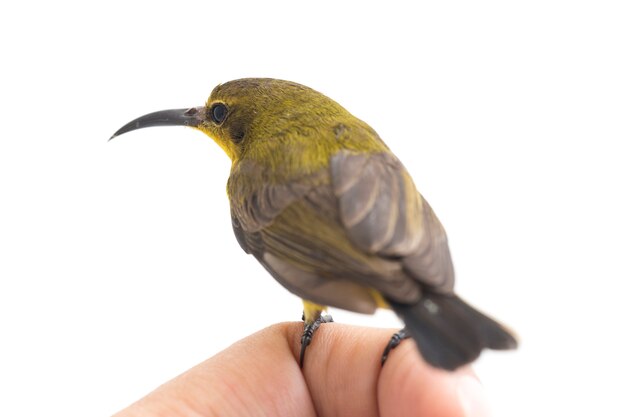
342	376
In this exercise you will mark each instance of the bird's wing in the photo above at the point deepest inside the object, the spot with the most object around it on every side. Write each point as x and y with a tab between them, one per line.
296	233
335	235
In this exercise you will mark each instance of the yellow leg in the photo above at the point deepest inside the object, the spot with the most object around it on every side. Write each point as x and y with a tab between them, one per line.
312	311
380	300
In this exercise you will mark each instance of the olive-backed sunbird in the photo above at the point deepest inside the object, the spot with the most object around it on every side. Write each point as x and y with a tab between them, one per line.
321	202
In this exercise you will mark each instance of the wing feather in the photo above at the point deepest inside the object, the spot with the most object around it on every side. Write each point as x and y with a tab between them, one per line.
399	225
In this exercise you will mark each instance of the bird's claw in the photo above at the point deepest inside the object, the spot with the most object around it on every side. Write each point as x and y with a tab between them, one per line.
395	340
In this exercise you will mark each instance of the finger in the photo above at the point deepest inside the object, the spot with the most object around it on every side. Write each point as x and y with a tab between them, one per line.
256	376
341	368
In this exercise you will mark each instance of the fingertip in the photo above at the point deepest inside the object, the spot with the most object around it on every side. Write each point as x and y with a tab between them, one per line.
408	386
472	397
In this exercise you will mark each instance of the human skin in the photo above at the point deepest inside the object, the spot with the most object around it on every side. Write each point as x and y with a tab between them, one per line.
342	376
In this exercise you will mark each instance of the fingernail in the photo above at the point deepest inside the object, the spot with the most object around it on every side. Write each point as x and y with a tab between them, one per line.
472	397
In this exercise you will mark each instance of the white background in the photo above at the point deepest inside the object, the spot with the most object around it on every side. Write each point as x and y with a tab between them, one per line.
118	267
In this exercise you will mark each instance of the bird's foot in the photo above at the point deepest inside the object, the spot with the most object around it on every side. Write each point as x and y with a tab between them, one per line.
307	334
394	342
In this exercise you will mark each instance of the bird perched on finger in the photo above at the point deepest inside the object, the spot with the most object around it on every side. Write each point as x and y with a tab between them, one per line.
332	214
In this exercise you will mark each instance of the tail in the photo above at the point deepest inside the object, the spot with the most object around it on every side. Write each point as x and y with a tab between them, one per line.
449	332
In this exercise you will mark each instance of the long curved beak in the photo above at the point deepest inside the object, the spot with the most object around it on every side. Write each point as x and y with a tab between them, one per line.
178	117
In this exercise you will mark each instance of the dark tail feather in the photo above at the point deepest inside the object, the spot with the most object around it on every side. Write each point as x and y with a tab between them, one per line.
449	332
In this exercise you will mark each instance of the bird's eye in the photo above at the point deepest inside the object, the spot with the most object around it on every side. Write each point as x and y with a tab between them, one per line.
218	112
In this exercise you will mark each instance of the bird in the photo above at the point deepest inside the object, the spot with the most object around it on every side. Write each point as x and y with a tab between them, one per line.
332	214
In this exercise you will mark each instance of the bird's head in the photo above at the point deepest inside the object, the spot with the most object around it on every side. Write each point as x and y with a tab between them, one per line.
239	114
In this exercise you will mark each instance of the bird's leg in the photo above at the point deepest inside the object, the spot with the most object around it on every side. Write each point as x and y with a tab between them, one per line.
394	342
313	318
307	334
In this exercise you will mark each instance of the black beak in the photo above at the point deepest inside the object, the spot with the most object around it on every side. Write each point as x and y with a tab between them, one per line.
179	117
